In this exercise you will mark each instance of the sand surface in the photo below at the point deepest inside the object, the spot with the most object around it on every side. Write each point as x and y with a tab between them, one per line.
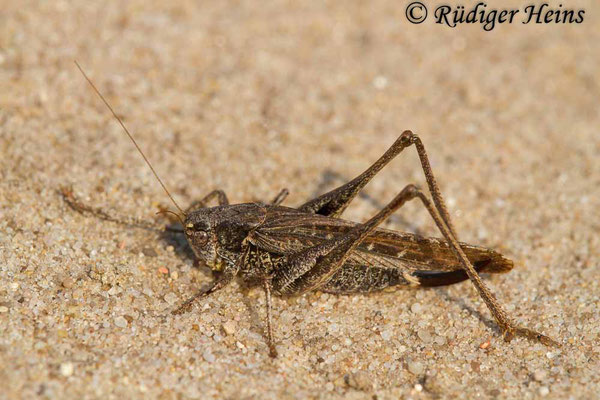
252	98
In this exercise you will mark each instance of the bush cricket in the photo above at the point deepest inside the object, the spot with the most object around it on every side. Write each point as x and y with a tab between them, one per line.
291	251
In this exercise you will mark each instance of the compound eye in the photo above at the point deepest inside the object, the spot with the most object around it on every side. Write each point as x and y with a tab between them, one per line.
201	236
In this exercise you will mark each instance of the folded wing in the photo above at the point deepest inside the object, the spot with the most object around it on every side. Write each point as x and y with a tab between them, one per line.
429	260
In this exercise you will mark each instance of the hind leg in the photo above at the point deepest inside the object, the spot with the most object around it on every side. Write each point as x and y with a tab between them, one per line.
502	319
334	203
312	268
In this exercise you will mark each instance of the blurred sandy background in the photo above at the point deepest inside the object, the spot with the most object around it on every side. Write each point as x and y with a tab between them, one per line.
253	97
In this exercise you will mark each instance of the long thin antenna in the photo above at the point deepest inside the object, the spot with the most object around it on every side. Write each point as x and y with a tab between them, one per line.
130	136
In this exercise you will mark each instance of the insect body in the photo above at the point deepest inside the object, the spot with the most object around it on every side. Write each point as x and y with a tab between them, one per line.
291	251
260	245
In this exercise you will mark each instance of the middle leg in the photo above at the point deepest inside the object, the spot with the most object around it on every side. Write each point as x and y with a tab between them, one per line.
219	194
281	196
270	341
216	285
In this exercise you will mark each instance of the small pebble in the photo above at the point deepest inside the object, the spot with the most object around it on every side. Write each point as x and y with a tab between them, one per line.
229	327
416	308
3	309
415	367
67	283
149	252
380	82
544	391
540	375
440	340
359	380
424	335
163	270
171	298
386	334
66	369
193	392
121	322
209	356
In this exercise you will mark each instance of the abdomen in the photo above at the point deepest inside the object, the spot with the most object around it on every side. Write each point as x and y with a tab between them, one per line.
363	279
